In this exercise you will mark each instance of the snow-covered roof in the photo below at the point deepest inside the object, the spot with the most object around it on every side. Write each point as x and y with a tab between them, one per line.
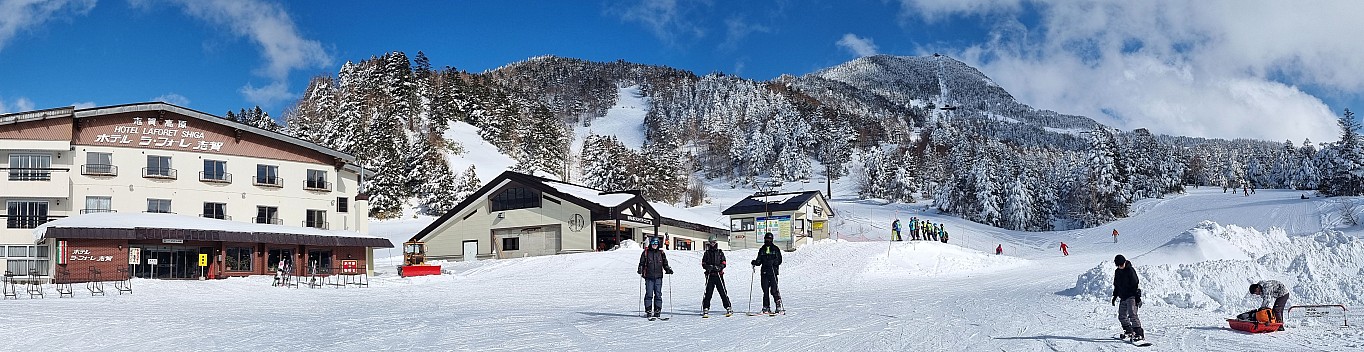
185	222
607	200
680	214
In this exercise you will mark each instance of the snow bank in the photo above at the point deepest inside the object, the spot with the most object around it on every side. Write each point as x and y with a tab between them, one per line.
628	244
1211	266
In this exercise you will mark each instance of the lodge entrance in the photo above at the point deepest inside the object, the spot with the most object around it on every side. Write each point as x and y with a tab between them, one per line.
171	262
609	237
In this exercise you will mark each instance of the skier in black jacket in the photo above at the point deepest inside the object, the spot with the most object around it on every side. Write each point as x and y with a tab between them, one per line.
652	265
713	261
1125	288
769	257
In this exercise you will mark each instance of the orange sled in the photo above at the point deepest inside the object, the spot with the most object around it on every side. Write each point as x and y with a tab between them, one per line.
1253	327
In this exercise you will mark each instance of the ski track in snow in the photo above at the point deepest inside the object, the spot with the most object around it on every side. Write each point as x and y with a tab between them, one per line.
846	296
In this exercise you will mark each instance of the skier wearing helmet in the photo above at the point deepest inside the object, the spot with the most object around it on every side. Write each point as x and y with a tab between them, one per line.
713	261
652	265
769	257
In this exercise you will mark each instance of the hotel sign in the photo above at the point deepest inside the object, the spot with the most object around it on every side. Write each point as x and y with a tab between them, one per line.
638	219
84	255
151	131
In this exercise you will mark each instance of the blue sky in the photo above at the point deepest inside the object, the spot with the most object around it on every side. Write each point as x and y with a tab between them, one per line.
1220	68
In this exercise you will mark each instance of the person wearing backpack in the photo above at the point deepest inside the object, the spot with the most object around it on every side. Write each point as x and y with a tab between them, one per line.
1125	288
1271	292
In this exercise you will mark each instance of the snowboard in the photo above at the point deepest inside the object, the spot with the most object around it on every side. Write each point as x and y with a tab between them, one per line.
1141	343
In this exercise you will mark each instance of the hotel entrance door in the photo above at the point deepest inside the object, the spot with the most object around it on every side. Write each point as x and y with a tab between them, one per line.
171	262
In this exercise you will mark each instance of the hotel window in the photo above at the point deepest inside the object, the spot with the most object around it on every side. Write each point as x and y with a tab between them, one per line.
511	243
316	219
21	259
238	259
266	215
268	175
320	261
317	179
342	205
97	204
516	198
97	163
30	167
158	205
215	211
158	167
24	214
215	171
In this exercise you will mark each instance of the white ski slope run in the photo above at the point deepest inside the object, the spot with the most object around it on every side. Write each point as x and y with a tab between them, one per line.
625	120
842	296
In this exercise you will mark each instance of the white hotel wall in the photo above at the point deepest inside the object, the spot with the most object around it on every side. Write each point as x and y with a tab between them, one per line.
129	191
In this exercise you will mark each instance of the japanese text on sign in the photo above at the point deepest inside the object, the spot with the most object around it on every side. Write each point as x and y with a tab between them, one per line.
84	255
171	133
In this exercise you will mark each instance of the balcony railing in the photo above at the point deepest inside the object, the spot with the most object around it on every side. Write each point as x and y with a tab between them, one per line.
158	212
27	221
216	216
97	210
259	220
317	185
99	170
216	177
159	172
315	224
31	173
268	181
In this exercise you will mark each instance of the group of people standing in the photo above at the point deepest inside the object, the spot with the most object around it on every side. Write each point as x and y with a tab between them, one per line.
653	264
919	230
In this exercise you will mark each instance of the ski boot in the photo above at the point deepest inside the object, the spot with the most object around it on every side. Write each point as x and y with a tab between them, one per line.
729	312
705	312
1126	335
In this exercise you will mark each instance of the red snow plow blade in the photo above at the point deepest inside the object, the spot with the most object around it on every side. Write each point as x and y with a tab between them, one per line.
418	270
1253	327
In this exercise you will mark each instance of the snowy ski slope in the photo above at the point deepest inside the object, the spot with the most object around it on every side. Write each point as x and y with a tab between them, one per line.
842	296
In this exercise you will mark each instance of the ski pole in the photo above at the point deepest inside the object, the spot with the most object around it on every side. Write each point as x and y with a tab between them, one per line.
641	294
750	289
671	312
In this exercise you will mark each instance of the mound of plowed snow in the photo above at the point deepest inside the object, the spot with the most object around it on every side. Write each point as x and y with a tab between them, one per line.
1211	266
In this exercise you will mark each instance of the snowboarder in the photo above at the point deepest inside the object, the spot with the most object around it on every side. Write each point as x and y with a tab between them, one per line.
999	249
895	230
1125	288
1064	252
713	261
1115	235
769	257
653	264
1271	291
1246	190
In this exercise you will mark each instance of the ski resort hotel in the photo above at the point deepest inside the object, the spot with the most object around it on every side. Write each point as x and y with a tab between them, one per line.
159	191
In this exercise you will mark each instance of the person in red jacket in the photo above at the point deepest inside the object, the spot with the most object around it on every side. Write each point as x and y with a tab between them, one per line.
1063	249
1000	249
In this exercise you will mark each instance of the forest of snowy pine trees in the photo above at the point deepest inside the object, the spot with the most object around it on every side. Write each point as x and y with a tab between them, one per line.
904	129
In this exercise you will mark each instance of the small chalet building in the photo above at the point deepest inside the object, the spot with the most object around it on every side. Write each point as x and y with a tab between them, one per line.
794	219
519	215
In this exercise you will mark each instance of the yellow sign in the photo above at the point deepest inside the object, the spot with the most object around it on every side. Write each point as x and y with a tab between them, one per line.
818	225
203	259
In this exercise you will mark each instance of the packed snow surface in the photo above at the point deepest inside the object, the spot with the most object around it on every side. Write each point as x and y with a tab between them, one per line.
1195	252
625	120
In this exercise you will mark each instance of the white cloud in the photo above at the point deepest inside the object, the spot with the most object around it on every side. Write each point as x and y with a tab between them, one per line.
738	29
857	45
83	104
934	10
1218	68
267	95
668	20
19	104
269	26
17	15
173	99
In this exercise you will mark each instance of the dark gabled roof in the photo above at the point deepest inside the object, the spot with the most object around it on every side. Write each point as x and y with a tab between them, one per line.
544	186
754	204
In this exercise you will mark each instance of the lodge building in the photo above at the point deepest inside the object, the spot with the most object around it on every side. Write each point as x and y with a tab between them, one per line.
148	189
518	215
794	219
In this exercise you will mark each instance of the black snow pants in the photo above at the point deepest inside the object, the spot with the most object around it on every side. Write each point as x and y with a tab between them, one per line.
769	283
715	282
